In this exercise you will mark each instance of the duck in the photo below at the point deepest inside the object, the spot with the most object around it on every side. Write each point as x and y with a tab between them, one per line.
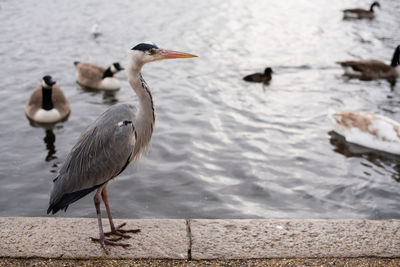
96	77
373	69
360	13
368	130
260	77
47	103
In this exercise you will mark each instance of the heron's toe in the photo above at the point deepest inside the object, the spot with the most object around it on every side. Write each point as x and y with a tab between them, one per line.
122	232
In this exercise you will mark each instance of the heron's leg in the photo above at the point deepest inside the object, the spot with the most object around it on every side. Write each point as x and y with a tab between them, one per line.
104	195
97	205
115	230
103	241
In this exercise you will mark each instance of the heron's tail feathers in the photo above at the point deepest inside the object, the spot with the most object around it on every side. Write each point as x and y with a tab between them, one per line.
66	199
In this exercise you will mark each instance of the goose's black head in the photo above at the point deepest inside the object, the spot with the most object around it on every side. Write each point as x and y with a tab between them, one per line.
47	81
117	66
373	5
110	71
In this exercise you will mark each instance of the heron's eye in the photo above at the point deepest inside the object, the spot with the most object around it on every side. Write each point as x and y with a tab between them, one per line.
151	51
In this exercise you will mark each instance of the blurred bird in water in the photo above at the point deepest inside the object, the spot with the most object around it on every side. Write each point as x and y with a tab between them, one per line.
47	103
96	77
260	77
359	13
95	30
373	69
367	129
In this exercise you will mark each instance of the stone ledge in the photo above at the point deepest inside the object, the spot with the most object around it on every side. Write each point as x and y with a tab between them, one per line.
238	239
68	238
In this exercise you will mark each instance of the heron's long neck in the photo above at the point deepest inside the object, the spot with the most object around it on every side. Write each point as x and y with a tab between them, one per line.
145	117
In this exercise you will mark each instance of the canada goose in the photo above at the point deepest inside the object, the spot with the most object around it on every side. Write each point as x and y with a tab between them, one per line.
260	77
47	103
96	77
373	69
368	130
359	13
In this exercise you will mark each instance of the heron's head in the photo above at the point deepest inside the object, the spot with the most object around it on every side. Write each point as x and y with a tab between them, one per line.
145	53
47	81
115	67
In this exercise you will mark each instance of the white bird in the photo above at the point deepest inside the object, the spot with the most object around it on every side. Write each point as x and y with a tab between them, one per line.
118	136
47	103
368	129
95	31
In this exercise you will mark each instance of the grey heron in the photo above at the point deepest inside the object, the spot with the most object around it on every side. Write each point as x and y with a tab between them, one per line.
116	138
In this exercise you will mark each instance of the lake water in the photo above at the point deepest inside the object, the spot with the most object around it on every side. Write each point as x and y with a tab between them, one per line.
222	148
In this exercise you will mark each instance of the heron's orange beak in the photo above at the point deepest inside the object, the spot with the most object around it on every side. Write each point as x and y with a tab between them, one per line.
167	54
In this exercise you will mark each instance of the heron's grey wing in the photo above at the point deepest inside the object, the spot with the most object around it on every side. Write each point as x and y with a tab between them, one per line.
103	150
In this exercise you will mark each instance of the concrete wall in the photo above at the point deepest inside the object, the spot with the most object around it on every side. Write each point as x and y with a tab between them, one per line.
202	238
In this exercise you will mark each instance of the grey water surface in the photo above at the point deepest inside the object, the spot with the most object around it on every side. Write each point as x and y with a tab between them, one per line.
222	148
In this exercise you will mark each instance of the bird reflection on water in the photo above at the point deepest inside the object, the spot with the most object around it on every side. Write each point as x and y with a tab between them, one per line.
391	81
377	158
49	140
109	97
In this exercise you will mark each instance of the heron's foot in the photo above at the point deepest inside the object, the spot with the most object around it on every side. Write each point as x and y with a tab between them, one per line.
109	241
122	232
